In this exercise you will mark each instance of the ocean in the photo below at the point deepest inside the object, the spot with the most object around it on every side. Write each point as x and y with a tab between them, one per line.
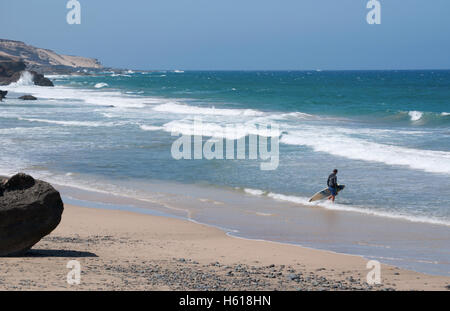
388	133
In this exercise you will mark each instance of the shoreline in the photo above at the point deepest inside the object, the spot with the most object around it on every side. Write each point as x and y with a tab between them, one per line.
121	250
339	232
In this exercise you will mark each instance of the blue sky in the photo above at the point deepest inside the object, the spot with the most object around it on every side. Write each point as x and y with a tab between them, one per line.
238	34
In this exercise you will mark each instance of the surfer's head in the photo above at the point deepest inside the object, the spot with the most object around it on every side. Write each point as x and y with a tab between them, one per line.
335	171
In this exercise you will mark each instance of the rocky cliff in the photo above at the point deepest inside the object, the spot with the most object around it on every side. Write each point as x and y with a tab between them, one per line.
43	60
17	57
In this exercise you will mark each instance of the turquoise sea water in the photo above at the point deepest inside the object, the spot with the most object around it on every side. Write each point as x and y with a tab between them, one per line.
388	133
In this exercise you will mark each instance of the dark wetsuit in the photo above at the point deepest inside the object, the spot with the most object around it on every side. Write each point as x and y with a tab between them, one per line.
332	183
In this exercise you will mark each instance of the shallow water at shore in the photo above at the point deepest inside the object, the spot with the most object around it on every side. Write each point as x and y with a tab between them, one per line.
414	246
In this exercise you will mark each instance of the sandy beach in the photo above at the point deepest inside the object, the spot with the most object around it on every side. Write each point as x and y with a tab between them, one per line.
120	250
224	146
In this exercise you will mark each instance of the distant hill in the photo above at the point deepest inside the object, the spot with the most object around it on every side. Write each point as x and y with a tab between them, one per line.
43	60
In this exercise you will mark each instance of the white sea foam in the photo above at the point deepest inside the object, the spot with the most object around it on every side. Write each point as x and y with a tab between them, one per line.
57	76
329	140
230	131
415	115
93	97
341	207
290	198
26	79
101	85
255	192
444	114
120	75
295	115
151	127
72	123
195	110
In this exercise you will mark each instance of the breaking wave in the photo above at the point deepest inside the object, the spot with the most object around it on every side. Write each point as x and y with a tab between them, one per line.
332	142
342	207
72	123
415	115
185	109
25	79
101	85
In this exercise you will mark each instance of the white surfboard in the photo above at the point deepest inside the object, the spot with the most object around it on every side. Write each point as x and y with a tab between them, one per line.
325	193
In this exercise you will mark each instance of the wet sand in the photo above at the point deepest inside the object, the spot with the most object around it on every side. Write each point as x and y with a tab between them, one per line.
120	250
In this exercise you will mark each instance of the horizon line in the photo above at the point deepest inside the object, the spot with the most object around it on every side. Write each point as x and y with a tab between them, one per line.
280	70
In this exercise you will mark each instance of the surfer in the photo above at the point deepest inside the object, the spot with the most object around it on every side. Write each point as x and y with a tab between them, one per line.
333	185
331	191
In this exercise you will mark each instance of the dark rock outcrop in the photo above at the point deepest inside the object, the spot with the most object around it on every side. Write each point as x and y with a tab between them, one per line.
27	97
3	94
40	80
11	70
29	210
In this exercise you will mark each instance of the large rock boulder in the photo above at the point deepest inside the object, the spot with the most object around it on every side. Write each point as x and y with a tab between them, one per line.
11	70
40	80
29	210
3	94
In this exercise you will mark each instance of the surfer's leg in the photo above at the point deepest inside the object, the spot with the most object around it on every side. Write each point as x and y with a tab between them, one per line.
333	194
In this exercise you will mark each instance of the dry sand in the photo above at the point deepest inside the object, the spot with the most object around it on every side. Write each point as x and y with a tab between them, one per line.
121	250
